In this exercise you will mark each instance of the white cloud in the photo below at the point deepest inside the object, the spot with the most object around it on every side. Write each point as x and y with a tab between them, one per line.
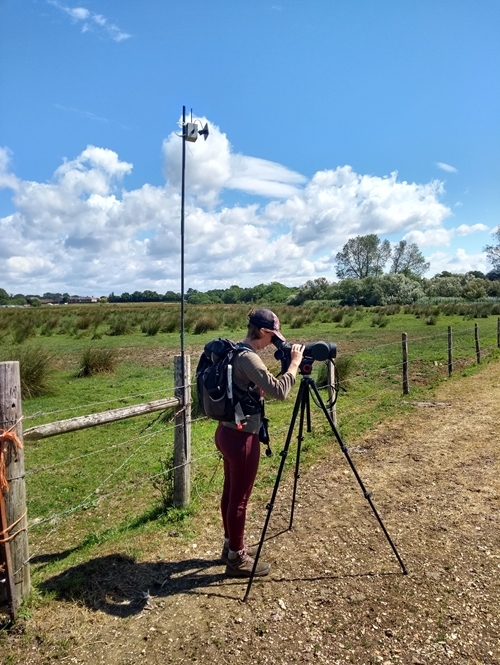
466	230
446	167
83	231
459	262
442	237
7	179
211	166
432	238
344	203
91	21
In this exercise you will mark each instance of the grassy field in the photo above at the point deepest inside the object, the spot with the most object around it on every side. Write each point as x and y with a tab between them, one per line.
89	491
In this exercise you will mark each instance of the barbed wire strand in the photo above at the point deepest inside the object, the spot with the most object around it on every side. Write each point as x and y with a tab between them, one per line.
72	511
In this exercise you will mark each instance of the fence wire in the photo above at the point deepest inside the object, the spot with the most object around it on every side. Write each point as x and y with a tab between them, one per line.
420	350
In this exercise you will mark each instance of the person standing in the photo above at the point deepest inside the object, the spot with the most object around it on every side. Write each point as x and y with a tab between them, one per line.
239	443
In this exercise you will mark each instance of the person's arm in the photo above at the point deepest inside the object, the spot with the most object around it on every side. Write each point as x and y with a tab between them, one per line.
254	370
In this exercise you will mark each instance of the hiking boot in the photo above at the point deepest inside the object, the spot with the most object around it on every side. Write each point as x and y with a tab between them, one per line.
251	551
242	566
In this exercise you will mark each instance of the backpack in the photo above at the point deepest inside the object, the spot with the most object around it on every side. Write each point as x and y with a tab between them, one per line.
218	397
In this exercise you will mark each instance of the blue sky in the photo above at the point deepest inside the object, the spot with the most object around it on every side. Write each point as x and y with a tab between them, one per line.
328	119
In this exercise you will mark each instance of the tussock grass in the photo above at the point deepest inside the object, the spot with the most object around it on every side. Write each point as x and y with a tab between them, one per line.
96	361
35	369
204	324
23	330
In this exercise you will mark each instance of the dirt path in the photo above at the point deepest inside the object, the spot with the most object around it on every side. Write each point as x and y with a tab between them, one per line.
336	593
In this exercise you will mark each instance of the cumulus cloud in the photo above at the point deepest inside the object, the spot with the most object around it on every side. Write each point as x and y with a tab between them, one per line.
442	237
84	231
212	166
91	21
458	262
432	238
446	167
466	230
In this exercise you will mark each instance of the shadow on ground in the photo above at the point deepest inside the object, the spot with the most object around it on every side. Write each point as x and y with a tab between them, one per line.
120	586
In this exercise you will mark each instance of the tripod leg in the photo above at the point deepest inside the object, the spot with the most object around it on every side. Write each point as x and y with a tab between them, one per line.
304	410
345	450
298	405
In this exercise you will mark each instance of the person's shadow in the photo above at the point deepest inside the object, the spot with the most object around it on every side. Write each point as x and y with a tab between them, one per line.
118	585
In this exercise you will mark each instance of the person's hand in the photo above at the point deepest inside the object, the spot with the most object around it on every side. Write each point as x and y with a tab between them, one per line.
296	353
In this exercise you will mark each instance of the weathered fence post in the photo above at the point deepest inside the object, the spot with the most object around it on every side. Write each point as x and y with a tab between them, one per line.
476	337
450	351
498	332
332	393
13	536
406	387
182	432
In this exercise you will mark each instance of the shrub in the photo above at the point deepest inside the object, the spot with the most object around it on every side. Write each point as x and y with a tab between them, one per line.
345	366
297	322
171	324
431	320
95	361
49	326
35	369
348	321
83	322
204	324
381	320
120	326
23	330
151	326
338	315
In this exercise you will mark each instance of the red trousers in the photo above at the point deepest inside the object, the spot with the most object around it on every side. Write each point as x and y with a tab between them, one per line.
241	453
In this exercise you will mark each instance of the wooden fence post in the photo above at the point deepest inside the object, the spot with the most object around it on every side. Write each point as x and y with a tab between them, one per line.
13	502
498	332
450	351
476	337
182	432
332	393
406	387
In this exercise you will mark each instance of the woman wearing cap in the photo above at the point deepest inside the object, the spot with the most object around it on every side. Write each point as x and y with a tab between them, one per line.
240	445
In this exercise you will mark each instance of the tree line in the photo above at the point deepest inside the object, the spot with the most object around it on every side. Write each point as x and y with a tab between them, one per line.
360	268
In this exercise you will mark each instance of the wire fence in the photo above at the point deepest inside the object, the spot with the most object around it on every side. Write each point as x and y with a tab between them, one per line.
139	465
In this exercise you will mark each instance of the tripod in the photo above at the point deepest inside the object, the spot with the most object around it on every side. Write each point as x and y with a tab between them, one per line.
307	388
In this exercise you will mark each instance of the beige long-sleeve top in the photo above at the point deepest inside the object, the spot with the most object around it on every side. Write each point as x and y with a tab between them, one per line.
248	368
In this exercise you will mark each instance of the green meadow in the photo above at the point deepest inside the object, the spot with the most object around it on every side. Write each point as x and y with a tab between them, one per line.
89	491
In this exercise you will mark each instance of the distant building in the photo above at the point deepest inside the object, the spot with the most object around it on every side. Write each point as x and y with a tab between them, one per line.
77	300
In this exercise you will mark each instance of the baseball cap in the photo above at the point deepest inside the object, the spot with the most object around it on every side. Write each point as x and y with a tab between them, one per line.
265	318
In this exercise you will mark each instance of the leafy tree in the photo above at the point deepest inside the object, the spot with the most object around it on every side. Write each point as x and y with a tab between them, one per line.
199	298
493	251
314	289
171	296
363	256
232	294
363	291
399	289
493	288
474	289
407	259
445	286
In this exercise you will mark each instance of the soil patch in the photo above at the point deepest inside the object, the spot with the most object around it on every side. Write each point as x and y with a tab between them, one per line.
336	593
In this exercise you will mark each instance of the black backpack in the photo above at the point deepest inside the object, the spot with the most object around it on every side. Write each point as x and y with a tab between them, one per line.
218	397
